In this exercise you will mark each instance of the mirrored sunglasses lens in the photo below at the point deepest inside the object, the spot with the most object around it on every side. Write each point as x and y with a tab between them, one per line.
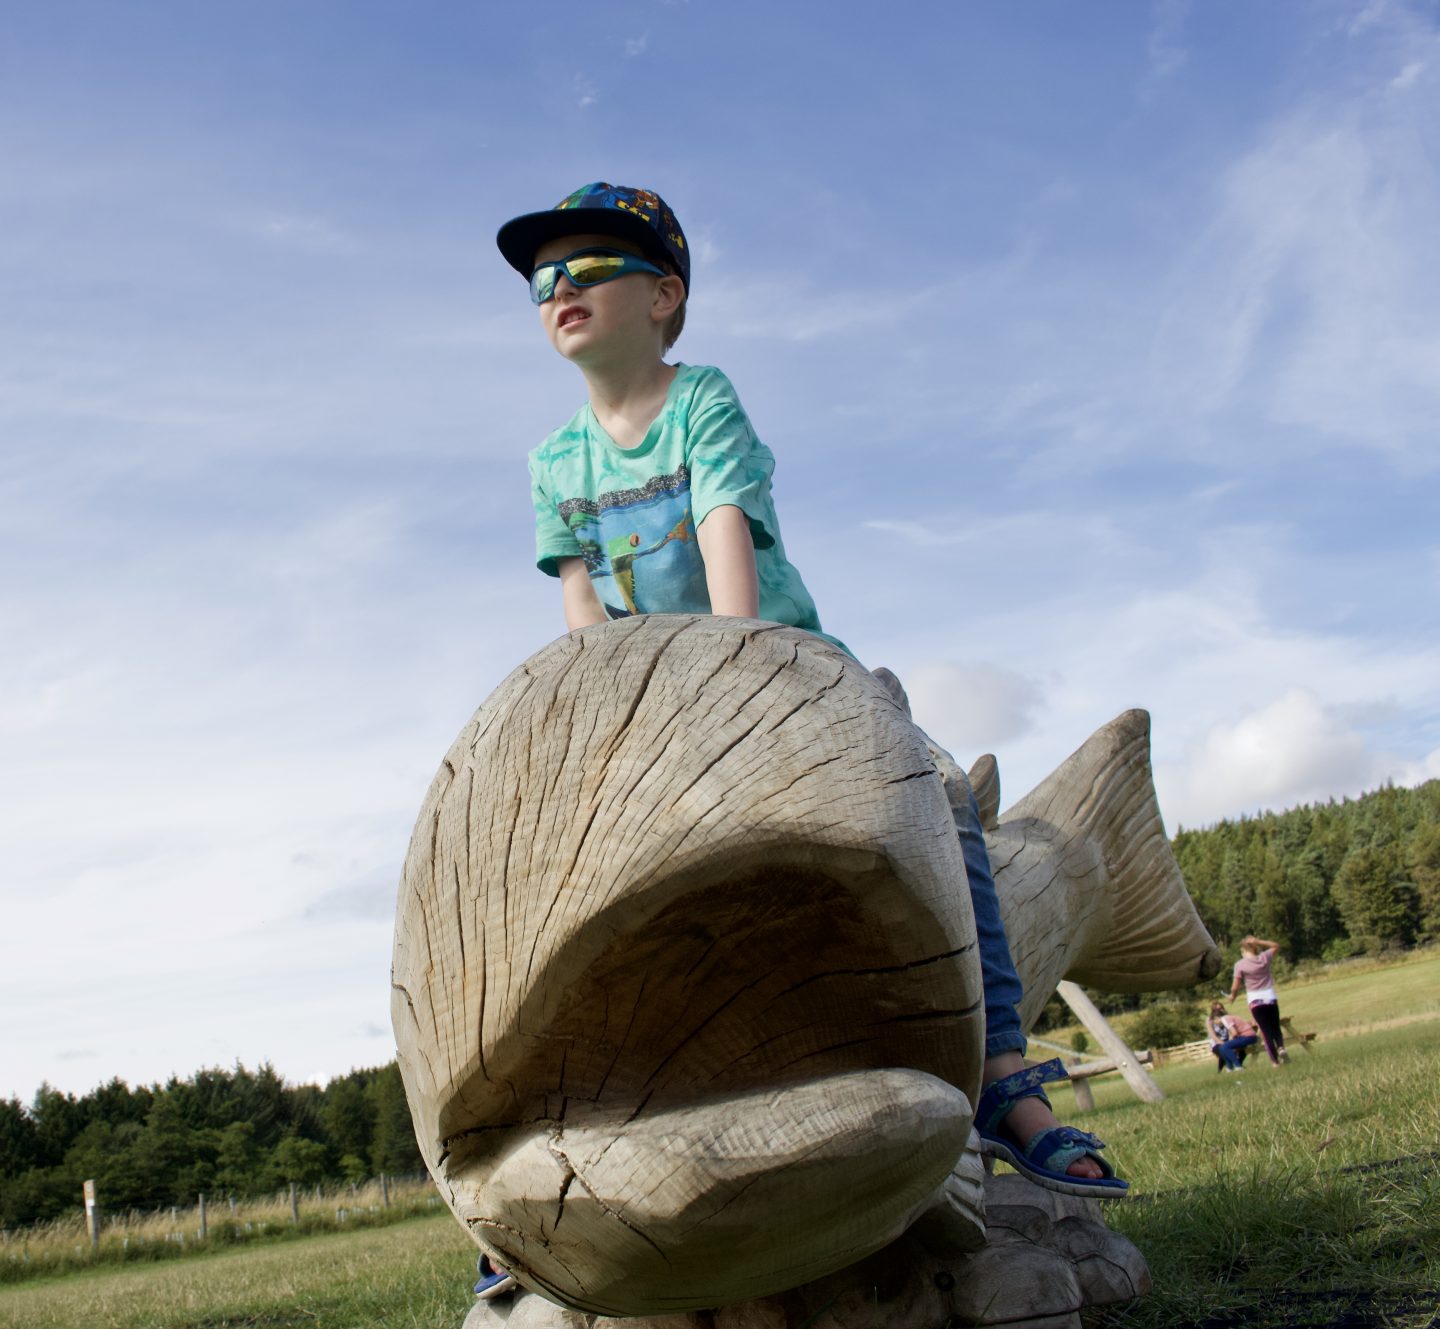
589	269
542	283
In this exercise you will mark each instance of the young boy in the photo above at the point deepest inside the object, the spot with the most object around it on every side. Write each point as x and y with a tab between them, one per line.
655	498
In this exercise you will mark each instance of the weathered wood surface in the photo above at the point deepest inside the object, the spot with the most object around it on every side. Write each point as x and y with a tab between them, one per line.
685	990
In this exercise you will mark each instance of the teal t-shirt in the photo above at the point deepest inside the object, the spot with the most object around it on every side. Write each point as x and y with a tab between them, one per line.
632	513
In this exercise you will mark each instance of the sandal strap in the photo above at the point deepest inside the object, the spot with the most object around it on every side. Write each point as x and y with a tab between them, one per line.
999	1096
1060	1146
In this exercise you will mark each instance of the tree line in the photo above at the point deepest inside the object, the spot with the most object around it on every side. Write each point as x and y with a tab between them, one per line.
1326	881
218	1133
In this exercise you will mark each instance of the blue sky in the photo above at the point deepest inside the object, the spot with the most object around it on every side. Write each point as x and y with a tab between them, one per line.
1098	346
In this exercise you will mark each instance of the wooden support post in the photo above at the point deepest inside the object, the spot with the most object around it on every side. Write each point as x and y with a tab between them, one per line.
203	1228
1084	1099
1146	1090
294	1204
92	1215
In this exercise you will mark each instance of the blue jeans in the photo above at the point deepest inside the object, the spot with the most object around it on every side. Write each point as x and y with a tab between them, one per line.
1226	1051
1003	990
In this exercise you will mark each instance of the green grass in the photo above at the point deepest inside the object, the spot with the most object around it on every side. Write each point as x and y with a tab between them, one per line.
1290	1196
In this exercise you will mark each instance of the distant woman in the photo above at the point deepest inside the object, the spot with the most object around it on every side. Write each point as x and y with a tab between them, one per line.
1252	970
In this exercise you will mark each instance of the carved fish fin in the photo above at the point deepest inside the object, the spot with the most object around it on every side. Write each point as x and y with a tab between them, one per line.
893	687
1105	792
985	781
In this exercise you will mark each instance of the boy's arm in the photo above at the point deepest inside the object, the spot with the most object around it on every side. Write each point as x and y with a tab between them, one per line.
582	605
728	552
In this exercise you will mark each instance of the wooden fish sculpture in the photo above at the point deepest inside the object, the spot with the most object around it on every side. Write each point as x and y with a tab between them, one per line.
685	986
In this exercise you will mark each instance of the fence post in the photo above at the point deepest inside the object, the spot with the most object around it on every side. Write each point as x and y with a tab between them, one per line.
202	1218
294	1204
92	1217
385	1190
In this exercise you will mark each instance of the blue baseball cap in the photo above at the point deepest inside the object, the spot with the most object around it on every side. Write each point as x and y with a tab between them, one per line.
638	215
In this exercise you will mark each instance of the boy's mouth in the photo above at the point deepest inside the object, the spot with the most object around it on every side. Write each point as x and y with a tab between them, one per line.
570	315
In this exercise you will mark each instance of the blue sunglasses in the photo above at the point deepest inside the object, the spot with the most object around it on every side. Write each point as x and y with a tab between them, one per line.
587	267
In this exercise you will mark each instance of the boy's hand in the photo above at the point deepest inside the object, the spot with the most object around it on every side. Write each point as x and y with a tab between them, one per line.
728	552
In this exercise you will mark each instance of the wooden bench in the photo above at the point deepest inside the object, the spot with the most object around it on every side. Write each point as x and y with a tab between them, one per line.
1081	1075
1291	1036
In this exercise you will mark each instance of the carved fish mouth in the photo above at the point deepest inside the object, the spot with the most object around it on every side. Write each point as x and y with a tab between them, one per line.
771	1065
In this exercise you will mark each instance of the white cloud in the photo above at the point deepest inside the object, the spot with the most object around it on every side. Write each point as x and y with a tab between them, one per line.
979	706
1294	749
1086	619
1409	74
636	45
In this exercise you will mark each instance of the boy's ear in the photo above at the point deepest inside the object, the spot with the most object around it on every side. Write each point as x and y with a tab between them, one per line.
669	295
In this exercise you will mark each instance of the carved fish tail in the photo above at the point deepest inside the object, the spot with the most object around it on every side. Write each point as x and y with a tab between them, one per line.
1147	934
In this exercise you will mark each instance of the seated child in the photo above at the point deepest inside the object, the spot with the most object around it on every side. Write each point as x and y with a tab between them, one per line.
1230	1036
655	498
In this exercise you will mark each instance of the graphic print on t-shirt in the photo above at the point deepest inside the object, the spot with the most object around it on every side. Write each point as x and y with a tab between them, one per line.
639	546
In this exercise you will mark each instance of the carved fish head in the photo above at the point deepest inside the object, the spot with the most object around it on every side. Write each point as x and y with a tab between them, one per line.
686	993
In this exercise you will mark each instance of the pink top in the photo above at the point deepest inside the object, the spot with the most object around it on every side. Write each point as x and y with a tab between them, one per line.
1222	1027
1255	970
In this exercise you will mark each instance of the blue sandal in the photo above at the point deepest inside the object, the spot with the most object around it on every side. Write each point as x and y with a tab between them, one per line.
1044	1159
493	1282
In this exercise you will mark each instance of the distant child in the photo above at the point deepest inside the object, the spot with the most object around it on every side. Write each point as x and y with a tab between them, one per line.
1229	1037
654	498
1252	970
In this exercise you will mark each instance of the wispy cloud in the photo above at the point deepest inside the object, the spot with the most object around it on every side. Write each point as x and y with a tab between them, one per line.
317	235
1165	50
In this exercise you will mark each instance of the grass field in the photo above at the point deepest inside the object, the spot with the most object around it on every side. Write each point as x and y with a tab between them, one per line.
1302	1196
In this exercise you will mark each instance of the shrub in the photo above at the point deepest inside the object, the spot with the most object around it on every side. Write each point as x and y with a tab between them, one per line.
1165	1025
